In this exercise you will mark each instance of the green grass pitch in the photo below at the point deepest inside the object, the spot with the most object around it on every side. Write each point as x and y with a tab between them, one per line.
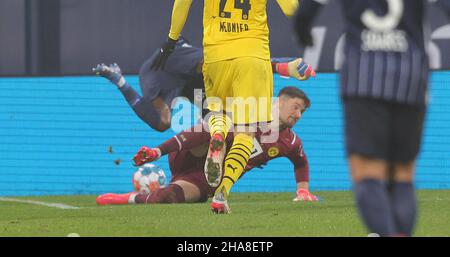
253	214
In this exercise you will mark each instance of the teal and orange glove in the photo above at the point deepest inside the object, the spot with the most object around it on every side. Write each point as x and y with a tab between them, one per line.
297	68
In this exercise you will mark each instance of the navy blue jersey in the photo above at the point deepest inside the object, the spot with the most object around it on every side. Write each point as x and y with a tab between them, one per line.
179	78
384	25
384	49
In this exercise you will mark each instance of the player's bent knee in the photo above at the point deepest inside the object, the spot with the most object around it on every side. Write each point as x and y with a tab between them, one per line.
362	167
162	126
192	193
404	172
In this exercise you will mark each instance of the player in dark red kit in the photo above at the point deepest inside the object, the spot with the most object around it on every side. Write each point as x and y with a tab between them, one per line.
187	151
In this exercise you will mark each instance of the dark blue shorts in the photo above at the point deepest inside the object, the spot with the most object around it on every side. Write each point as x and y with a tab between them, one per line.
382	130
179	75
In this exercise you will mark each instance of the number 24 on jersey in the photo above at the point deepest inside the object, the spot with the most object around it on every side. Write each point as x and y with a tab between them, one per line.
245	6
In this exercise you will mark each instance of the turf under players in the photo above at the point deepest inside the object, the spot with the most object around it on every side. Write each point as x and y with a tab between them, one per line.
384	83
237	67
182	77
187	152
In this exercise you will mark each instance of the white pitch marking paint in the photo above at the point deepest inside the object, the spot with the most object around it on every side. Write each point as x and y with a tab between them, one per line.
54	205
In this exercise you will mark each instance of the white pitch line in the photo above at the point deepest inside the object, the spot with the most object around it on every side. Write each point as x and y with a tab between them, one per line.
54	205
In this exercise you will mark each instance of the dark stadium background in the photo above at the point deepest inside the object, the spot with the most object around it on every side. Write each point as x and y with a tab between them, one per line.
66	37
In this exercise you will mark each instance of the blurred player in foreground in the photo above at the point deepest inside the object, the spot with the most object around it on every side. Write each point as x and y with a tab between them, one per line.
384	84
180	78
187	151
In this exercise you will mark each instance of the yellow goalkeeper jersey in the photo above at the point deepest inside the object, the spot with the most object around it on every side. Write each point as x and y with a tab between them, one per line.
231	28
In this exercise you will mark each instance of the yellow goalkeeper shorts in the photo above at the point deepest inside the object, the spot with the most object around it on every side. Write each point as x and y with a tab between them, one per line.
242	86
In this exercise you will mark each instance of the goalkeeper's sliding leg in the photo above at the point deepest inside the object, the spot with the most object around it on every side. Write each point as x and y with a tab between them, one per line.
180	191
188	185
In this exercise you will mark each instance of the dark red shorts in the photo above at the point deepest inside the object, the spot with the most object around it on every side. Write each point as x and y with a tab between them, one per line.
185	166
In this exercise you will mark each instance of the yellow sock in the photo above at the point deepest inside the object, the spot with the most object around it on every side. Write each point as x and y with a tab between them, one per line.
219	123
235	162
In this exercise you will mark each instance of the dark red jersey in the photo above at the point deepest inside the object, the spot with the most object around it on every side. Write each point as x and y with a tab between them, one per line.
286	144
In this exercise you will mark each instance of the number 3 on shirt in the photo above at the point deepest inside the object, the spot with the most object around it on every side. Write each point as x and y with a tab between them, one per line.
245	6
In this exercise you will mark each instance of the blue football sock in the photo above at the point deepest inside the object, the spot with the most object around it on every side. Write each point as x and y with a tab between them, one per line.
117	79
141	106
404	207
374	206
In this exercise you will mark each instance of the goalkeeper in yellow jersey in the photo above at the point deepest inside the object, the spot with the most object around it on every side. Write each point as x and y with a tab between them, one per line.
238	81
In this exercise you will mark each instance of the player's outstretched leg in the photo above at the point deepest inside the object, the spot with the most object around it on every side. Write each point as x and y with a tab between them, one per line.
219	125
111	72
235	163
143	107
172	193
214	160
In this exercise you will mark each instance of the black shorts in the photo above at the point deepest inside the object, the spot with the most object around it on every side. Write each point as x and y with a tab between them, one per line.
381	130
180	72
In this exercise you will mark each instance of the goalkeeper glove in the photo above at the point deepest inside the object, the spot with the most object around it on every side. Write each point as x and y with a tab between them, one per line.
145	155
305	196
297	68
167	48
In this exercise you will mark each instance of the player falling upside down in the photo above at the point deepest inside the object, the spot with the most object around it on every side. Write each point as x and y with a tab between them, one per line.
180	78
236	66
187	151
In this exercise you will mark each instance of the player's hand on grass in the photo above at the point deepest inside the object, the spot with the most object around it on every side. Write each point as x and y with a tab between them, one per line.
300	70
304	195
145	155
161	59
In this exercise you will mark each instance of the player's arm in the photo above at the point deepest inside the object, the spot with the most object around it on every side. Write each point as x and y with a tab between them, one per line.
185	140
291	67
301	170
288	6
303	19
180	13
